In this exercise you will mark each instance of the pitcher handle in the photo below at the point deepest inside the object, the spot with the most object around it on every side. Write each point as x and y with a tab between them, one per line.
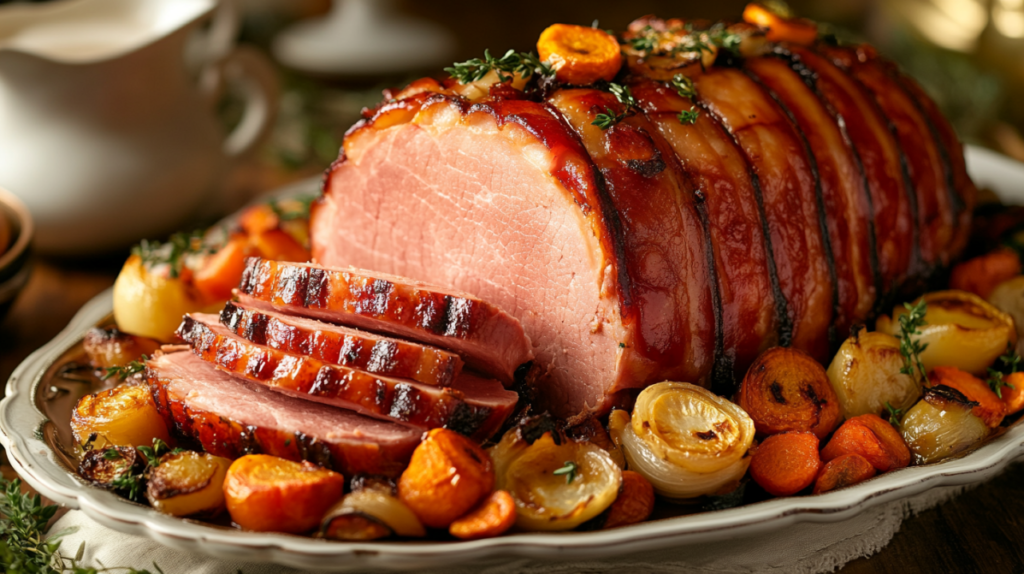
254	77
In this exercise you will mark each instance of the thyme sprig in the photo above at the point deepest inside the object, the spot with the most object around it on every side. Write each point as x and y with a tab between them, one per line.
122	372
895	415
173	252
24	545
689	116
911	349
132	484
526	64
293	209
1010	361
569	470
625	97
684	86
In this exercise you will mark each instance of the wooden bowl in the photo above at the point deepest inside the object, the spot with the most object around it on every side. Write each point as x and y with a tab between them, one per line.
15	248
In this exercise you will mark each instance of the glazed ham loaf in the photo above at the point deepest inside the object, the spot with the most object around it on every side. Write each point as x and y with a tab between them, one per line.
473	406
488	339
343	346
778	196
231	418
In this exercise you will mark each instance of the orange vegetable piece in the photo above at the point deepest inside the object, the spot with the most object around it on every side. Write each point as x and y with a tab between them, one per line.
786	390
781	28
872	438
580	54
495	515
845	470
1013	398
447	476
269	494
223	270
982	274
634	503
259	218
786	463
990	409
278	245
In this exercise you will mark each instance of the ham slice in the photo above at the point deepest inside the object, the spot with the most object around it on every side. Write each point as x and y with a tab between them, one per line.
343	346
230	418
473	406
488	339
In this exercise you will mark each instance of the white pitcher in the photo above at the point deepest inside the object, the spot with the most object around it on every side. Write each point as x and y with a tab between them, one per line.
107	123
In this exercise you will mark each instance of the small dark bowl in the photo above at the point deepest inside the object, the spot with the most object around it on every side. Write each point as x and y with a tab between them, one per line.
15	267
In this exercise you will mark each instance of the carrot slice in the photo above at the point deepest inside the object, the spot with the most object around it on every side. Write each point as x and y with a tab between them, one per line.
787	390
787	463
269	494
845	470
990	409
495	515
223	270
278	245
779	27
259	218
872	438
982	274
634	503
581	55
1013	397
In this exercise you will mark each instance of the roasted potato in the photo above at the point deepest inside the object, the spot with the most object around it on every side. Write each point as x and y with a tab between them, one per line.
113	348
123	416
447	476
369	513
188	483
151	304
865	375
962	330
269	494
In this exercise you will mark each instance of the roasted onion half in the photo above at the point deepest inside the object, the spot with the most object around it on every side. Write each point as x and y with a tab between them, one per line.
369	512
557	483
865	374
941	424
686	440
962	331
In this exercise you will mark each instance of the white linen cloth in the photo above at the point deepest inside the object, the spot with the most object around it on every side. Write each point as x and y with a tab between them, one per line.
805	548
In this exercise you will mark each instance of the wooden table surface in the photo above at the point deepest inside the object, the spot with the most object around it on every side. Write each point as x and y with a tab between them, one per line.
980	531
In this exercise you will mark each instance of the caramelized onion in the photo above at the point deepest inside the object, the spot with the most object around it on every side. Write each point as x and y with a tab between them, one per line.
865	375
369	513
686	440
941	424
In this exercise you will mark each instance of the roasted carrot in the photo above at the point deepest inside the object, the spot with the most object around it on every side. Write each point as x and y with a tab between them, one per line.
983	273
781	28
872	438
222	271
1013	393
278	245
842	471
580	54
492	517
446	477
990	409
786	390
634	503
259	218
786	463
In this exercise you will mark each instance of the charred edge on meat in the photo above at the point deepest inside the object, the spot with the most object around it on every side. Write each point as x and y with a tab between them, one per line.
826	240
534	427
317	289
292	282
467	419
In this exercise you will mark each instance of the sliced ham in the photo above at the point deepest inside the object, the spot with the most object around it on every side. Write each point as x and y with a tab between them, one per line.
488	339
343	346
473	406
230	417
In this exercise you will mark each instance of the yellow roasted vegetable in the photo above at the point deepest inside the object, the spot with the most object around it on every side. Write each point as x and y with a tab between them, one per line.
555	485
941	424
686	440
122	416
865	374
962	330
151	304
369	513
188	483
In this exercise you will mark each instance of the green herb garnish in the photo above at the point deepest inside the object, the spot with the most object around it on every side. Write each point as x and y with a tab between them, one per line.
684	86
525	64
625	97
910	324
133	483
122	372
895	415
646	41
688	116
1010	362
171	253
301	211
569	470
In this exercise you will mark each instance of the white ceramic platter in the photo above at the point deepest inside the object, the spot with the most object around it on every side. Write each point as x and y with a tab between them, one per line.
39	465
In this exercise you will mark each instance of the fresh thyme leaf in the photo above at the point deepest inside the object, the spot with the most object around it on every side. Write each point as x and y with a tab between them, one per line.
895	415
171	253
301	211
622	94
569	470
996	381
684	86
111	454
605	121
646	41
526	64
130	485
910	324
1010	360
688	116
122	372
625	97
725	39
